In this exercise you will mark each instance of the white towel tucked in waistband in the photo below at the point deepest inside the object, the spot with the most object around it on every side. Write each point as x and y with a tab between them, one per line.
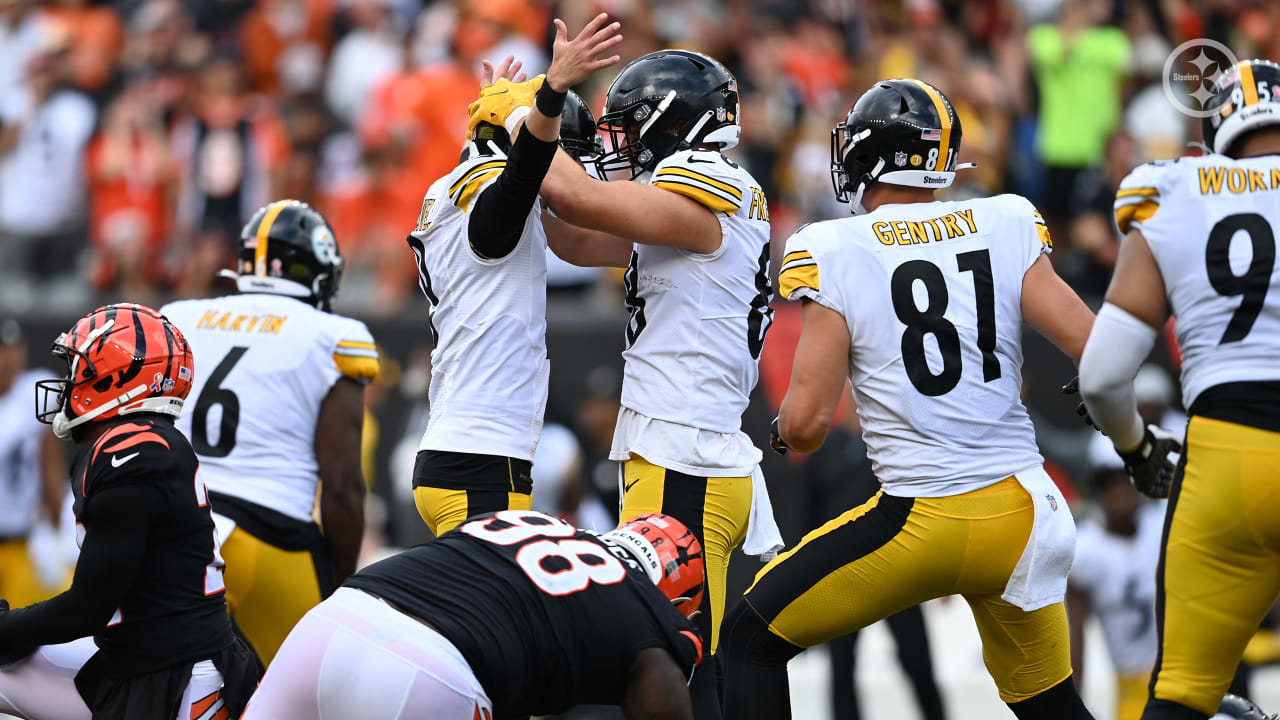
763	537
1040	577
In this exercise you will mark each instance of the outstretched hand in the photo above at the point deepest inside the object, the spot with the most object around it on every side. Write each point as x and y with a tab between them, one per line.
508	70
573	60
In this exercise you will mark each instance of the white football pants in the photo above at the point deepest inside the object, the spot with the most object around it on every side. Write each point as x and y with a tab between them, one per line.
354	657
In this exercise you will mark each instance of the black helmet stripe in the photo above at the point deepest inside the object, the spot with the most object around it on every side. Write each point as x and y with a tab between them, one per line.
139	350
171	343
110	314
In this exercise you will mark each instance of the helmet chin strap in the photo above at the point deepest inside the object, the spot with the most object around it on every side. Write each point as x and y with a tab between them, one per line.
855	202
63	425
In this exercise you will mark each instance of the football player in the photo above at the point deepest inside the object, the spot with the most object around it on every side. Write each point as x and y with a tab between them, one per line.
920	304
1200	244
693	233
148	582
32	474
279	411
481	255
513	613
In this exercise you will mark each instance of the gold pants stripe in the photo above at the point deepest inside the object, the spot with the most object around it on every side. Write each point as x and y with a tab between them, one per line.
444	510
1219	571
891	553
715	509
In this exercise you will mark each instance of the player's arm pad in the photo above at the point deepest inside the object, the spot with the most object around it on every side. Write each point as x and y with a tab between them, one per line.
498	219
1117	347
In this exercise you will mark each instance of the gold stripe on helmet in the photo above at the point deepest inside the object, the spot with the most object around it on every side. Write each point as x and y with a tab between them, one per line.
264	230
1248	84
945	118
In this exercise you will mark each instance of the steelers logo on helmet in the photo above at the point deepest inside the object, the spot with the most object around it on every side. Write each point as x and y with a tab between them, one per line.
287	248
893	124
1247	98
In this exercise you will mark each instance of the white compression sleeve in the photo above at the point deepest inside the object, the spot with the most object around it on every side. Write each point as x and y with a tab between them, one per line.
1117	347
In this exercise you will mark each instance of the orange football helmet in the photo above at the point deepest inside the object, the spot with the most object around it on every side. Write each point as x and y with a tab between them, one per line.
669	553
121	359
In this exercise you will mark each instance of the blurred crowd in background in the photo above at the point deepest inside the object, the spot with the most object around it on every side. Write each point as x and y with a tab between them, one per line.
138	136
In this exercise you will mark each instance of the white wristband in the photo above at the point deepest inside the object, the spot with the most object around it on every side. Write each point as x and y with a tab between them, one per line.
1117	347
513	120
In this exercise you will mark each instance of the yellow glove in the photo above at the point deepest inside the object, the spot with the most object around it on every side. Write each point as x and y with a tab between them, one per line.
499	101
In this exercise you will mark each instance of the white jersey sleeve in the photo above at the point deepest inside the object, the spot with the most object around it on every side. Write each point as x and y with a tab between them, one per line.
1211	223
264	365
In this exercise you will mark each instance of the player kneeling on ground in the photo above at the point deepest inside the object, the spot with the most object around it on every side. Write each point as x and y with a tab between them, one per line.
513	613
148	583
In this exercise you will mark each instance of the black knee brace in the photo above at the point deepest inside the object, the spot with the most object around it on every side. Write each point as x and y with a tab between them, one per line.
755	667
1060	702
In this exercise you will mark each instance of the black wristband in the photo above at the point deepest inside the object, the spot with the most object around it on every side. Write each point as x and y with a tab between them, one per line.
549	102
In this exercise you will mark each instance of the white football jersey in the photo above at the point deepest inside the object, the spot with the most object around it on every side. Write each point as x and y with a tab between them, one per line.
264	364
932	295
1211	223
489	368
1118	574
698	322
21	438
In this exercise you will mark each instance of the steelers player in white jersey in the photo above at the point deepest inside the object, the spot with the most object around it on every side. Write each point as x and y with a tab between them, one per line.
693	233
1200	244
276	412
481	256
920	304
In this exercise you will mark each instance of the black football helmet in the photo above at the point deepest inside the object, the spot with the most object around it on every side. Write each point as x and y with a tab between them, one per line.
578	134
1234	707
1247	97
903	132
287	248
665	102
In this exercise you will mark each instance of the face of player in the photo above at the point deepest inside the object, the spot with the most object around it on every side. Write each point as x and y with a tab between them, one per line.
1120	503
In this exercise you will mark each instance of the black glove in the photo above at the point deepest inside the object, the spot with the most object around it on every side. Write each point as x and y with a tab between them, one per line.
776	442
1073	388
1149	466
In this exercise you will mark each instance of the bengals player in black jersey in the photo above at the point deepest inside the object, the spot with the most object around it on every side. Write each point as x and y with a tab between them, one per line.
148	582
514	613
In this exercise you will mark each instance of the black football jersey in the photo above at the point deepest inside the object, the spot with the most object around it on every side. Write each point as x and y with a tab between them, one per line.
547	616
174	609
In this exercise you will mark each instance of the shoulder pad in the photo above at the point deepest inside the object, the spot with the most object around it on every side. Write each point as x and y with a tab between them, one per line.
354	352
1018	205
706	176
800	262
1139	195
467	179
130	449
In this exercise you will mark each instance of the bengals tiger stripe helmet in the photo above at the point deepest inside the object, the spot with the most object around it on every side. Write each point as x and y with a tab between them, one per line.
121	359
669	553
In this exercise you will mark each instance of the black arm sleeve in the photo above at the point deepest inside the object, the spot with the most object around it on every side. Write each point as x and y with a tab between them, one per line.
111	556
501	210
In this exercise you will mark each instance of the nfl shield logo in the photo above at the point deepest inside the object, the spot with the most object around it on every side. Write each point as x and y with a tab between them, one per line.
721	114
900	159
1053	502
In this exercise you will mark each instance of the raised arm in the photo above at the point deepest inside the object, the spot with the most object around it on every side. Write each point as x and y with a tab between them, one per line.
633	211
